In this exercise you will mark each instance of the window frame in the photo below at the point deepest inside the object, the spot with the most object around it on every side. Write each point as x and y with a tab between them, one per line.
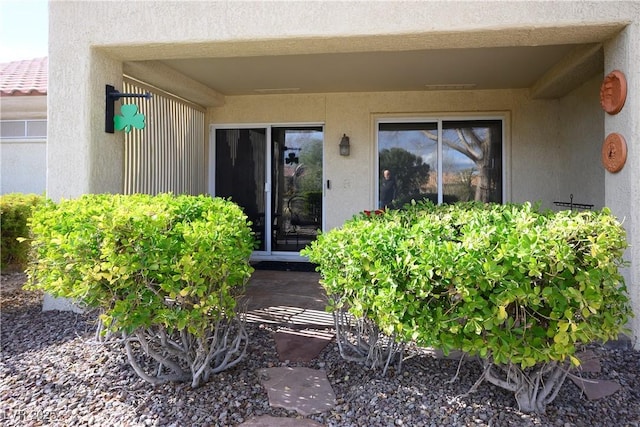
438	120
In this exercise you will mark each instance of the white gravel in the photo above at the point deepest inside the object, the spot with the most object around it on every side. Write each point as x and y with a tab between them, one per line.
52	373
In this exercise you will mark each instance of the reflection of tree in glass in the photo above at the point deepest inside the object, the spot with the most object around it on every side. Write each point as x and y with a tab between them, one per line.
466	192
410	172
478	144
311	161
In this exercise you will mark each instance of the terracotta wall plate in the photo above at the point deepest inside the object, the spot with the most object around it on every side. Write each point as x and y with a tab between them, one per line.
613	92
614	152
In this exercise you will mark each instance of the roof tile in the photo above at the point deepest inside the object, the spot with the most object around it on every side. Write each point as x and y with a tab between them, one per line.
24	78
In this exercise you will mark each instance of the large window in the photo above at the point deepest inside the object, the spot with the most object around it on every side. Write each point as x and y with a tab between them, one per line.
445	161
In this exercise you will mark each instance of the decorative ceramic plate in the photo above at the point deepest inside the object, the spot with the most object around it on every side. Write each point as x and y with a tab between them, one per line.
613	92
614	152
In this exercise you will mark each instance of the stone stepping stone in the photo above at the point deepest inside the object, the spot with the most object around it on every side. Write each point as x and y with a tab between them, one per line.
304	390
269	421
302	345
592	388
589	362
595	389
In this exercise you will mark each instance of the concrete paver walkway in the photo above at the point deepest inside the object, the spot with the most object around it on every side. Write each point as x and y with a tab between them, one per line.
296	302
289	298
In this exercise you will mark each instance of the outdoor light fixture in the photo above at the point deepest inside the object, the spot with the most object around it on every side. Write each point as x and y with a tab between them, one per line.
344	145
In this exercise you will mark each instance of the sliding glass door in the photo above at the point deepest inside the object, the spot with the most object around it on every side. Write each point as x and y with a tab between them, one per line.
275	175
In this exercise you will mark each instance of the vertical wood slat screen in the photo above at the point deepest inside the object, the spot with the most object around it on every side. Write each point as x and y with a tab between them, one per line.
168	155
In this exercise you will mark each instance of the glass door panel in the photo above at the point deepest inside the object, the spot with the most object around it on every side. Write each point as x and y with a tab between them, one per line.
296	186
240	174
408	163
472	161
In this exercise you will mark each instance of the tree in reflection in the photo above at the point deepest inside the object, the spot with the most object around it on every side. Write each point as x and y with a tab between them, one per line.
481	144
410	172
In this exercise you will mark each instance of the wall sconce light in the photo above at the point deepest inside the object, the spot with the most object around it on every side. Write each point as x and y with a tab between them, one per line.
345	148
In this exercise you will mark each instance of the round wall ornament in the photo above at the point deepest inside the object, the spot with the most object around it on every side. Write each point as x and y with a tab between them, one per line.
614	152
613	92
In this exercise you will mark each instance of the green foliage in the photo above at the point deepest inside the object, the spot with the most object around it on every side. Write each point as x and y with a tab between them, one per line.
178	262
504	282
15	211
311	160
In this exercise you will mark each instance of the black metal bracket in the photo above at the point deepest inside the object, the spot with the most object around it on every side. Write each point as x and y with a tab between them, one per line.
572	205
111	95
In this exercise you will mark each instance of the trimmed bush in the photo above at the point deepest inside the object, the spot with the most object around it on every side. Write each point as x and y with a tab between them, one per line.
521	289
165	271
15	210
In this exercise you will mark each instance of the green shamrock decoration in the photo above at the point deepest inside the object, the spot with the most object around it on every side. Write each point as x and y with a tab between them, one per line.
130	117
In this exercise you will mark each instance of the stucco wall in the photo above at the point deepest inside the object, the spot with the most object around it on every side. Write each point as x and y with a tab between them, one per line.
23	166
623	188
82	158
23	107
23	162
581	134
84	60
187	28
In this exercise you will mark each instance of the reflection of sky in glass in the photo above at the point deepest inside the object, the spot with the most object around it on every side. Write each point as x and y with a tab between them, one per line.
418	143
298	138
414	141
454	159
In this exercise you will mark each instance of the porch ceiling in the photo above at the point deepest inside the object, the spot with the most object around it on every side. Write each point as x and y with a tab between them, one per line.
504	67
550	62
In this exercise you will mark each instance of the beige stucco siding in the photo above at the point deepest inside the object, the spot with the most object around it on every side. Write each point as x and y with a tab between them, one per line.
581	135
23	161
81	62
23	107
24	166
141	30
622	192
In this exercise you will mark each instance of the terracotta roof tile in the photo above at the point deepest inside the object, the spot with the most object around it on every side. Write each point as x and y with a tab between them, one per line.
24	78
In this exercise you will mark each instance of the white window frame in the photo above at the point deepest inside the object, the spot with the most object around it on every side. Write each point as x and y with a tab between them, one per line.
25	137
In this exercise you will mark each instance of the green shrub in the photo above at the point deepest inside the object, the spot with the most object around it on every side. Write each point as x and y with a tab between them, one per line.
523	290
15	210
166	271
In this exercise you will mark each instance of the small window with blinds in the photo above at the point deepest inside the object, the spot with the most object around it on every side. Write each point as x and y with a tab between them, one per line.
23	129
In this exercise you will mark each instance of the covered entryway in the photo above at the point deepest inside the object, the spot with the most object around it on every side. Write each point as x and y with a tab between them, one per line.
275	174
349	68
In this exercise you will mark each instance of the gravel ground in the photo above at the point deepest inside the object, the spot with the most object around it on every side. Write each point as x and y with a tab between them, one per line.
52	373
